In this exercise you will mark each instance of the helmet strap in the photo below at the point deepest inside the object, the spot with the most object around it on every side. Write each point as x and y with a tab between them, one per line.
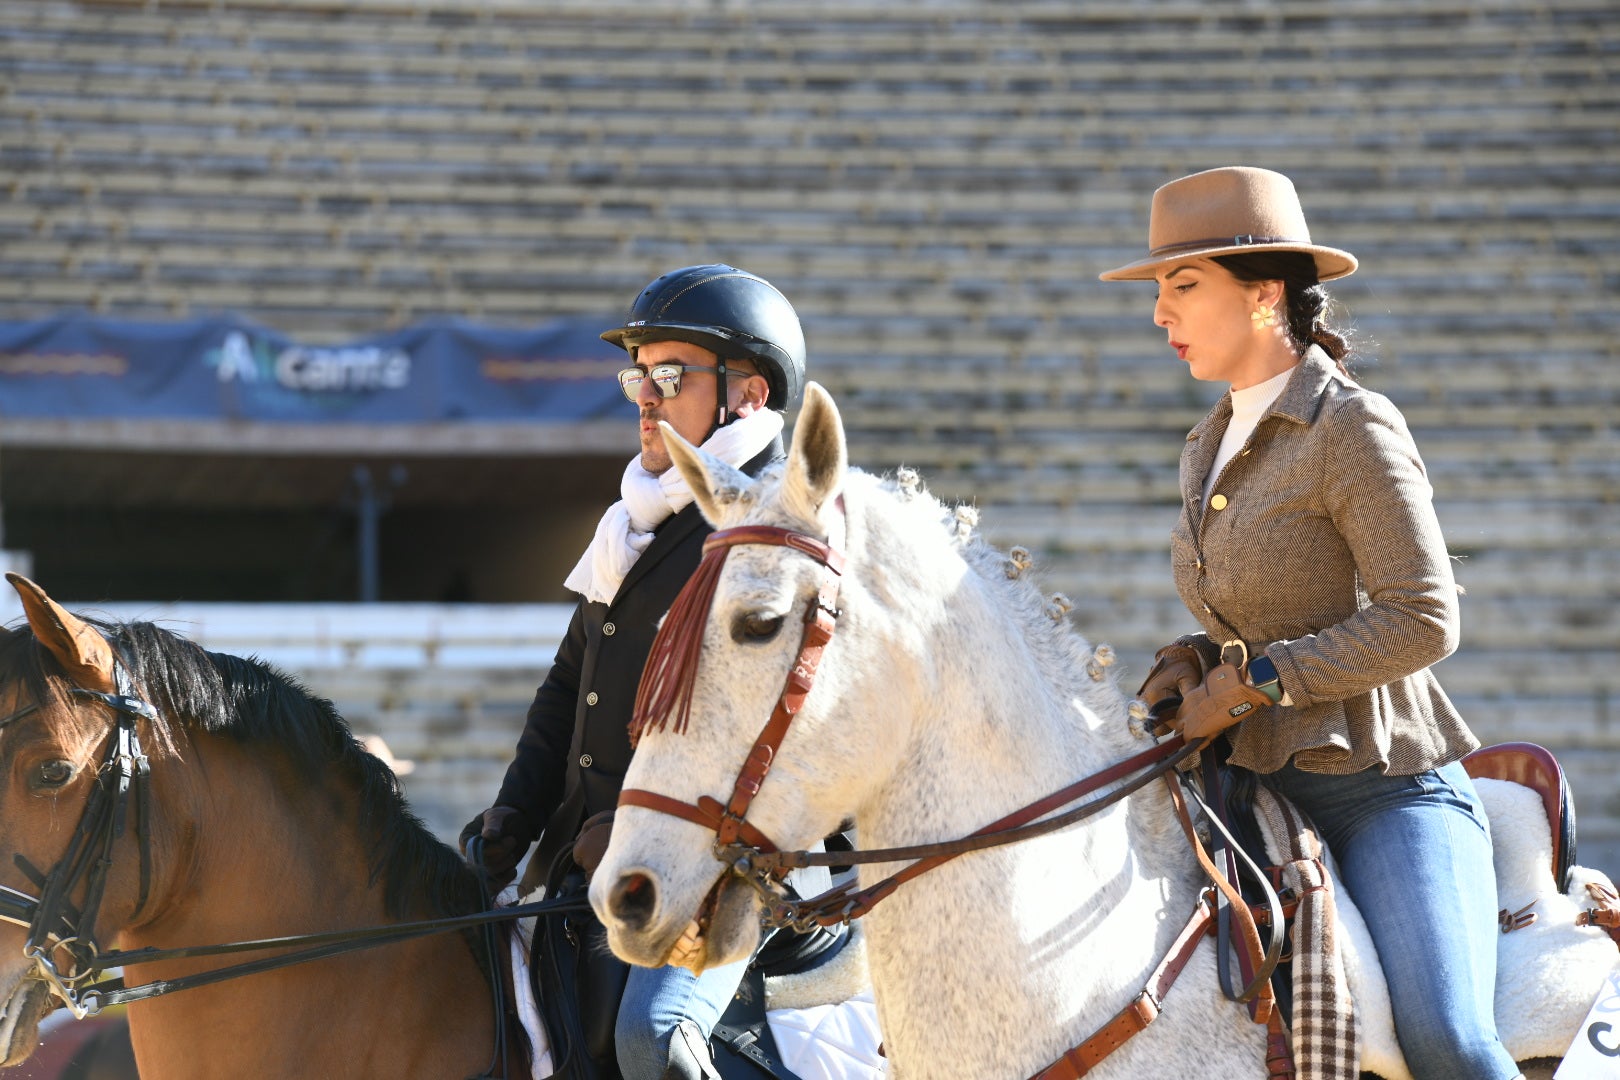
720	391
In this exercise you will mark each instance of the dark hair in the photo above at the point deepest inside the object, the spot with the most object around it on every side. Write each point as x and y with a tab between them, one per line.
1308	301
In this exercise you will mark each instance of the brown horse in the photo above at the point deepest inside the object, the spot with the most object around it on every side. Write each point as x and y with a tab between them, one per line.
264	817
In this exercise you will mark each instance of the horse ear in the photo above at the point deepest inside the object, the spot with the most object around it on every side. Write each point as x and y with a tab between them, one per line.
818	460
79	647
715	485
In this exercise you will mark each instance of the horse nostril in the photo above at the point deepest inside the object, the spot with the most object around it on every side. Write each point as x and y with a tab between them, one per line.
632	900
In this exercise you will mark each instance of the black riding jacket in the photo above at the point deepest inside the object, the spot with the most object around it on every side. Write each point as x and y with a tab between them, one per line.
575	747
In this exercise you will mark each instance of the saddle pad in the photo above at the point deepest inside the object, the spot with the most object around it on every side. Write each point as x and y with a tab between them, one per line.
528	1009
831	1042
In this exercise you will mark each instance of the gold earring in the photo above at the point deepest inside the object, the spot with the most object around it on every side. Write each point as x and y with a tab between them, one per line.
1266	317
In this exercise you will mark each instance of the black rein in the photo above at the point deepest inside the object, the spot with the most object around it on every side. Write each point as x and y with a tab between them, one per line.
56	929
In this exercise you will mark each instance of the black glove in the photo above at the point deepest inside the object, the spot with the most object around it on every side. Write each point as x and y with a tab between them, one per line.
507	834
591	843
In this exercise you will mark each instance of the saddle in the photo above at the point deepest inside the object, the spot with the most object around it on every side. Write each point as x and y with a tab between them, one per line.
1534	767
1528	769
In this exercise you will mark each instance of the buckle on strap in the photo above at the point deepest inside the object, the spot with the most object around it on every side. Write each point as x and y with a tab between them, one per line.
1242	647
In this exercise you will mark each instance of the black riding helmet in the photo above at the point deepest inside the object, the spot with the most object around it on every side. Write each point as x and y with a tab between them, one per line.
730	312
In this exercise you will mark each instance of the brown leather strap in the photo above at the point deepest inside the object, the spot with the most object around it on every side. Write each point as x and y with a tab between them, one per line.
707	813
674	666
1279	1054
1605	911
664	695
819	550
839	905
651	800
1264	999
819	622
1142	1011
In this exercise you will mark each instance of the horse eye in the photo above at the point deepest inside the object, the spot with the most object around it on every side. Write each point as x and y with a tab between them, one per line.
755	627
54	774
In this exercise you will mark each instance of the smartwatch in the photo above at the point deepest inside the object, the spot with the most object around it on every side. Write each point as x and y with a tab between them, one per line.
1262	675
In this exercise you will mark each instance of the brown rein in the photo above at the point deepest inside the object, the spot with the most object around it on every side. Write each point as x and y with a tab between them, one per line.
667	688
666	691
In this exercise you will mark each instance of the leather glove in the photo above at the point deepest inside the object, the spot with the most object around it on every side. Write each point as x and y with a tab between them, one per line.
1221	700
592	842
1177	671
507	834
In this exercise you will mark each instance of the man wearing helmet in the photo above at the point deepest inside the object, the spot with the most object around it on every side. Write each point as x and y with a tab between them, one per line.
717	353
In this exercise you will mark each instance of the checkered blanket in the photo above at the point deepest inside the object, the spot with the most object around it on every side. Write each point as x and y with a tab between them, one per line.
1324	1036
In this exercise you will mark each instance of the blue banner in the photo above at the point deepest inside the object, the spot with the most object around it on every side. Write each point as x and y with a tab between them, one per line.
76	366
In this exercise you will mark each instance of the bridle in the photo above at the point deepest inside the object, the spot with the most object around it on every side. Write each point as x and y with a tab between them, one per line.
747	852
751	855
61	939
668	674
61	935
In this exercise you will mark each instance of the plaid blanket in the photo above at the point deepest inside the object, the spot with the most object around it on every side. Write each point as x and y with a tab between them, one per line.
1324	1035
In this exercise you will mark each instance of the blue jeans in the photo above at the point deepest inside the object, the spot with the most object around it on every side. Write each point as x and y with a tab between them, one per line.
656	1000
1414	852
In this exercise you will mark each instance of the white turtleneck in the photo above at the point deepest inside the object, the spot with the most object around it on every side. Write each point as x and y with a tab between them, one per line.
1248	406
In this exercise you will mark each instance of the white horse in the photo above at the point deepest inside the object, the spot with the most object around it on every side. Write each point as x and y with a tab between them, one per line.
952	694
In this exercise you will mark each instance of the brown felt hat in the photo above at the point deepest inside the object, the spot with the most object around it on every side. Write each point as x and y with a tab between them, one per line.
1229	211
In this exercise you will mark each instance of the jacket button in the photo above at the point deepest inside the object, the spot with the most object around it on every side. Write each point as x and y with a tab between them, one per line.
1217	502
590	698
1199	563
584	761
1207	610
608	628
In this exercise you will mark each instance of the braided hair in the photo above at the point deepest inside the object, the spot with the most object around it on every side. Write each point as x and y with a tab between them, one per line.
1308	302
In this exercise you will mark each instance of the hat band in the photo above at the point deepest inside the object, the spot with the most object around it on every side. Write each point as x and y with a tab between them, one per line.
1242	240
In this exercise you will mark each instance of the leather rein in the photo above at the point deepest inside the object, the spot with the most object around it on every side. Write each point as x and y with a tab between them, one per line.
751	855
61	935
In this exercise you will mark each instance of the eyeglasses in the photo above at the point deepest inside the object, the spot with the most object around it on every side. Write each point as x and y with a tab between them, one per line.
666	378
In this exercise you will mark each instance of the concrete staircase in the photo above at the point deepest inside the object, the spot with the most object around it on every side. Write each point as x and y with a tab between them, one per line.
936	185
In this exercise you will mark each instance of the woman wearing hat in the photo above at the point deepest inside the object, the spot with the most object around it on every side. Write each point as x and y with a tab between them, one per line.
1309	551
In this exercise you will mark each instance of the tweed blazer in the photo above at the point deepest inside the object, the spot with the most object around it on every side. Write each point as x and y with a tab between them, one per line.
1326	555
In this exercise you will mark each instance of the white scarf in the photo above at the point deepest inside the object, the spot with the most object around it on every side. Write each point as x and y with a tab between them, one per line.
646	500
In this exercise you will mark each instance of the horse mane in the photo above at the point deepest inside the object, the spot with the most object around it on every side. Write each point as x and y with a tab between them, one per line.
1070	665
248	700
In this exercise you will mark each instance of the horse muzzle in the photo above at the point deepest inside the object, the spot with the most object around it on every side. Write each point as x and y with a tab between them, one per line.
27	1003
645	928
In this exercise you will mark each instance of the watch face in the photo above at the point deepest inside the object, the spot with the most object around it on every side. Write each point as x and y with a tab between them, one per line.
1262	671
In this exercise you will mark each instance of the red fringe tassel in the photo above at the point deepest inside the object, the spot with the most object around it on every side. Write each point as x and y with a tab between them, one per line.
667	680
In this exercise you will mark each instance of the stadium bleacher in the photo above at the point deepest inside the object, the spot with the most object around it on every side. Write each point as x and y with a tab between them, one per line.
935	185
